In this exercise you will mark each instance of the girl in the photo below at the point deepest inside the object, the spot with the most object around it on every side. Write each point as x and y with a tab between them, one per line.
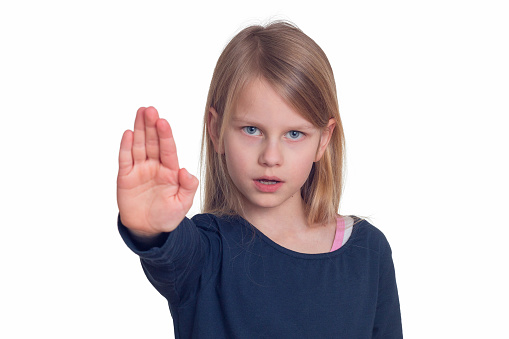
270	258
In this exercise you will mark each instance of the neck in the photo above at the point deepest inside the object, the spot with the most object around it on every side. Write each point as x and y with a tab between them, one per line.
287	226
289	217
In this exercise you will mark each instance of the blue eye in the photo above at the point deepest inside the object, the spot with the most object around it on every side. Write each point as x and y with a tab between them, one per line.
295	135
251	130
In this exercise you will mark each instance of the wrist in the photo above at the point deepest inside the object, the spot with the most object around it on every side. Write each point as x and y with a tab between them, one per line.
145	241
143	235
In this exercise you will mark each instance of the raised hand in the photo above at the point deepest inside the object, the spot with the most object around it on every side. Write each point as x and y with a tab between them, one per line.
153	193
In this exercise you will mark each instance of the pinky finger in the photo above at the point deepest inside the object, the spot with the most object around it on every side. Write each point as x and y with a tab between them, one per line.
125	157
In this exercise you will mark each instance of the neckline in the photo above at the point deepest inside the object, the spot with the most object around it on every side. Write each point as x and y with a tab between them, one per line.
300	255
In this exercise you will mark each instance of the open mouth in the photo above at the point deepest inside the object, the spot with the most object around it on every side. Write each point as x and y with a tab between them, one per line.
268	182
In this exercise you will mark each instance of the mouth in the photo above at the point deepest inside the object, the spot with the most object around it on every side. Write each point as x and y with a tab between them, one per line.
269	180
268	184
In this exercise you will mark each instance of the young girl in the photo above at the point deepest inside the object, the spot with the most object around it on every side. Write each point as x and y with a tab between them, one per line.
270	258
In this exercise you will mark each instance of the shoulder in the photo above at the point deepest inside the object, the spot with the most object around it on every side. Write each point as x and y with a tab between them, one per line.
226	226
367	236
212	222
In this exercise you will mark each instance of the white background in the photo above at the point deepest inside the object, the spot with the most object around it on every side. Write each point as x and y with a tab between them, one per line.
423	90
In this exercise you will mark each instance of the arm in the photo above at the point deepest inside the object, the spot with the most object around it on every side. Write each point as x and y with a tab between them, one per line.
175	264
147	242
388	317
153	196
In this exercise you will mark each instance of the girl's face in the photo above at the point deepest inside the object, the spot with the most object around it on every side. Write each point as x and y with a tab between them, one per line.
270	149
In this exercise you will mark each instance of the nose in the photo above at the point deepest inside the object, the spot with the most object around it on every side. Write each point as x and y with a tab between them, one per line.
271	154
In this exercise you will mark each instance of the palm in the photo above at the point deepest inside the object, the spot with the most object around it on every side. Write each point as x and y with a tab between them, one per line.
147	189
153	194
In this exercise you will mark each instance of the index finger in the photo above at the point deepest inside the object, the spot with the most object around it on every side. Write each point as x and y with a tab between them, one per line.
167	147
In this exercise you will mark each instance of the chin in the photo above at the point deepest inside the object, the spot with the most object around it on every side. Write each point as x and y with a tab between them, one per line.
264	203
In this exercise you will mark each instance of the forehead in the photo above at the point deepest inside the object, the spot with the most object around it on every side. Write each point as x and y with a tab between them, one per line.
259	102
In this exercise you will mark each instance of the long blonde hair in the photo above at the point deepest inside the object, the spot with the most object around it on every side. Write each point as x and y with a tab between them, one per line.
300	72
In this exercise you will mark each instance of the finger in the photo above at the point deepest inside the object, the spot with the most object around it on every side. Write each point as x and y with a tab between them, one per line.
188	186
151	138
125	157
139	152
167	148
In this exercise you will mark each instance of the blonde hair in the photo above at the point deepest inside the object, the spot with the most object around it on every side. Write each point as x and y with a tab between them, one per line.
300	72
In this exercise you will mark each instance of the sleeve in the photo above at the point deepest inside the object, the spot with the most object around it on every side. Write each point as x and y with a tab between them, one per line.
175	268
388	316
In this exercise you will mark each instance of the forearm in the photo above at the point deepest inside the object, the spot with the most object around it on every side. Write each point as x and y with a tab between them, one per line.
174	265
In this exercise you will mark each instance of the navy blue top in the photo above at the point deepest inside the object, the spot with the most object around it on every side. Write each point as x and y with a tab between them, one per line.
225	279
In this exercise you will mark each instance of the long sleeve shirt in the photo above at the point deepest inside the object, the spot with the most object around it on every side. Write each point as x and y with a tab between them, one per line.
225	279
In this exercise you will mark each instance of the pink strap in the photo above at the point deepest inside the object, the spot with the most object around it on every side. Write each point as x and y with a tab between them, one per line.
340	233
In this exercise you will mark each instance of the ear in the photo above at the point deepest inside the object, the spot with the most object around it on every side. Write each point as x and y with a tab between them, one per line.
212	128
325	139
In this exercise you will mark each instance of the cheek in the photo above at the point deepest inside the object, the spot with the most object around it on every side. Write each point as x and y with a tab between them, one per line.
236	157
302	162
303	166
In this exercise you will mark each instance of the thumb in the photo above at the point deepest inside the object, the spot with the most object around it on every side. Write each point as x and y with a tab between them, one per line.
188	185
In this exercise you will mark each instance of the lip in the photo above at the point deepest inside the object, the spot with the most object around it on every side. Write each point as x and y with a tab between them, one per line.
268	188
269	178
